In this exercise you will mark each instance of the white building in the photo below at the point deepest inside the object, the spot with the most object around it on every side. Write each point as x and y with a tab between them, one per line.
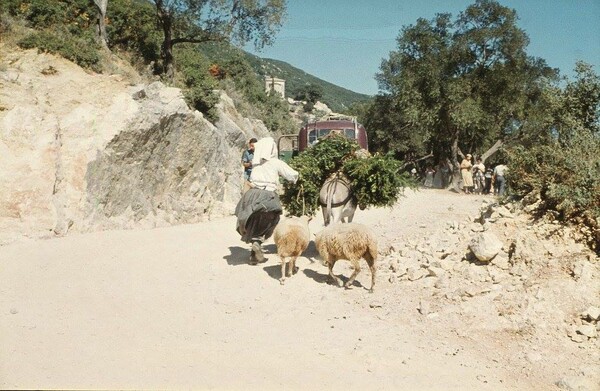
275	84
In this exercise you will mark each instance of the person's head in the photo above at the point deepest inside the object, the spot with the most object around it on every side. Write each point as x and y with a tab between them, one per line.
468	157
251	143
478	160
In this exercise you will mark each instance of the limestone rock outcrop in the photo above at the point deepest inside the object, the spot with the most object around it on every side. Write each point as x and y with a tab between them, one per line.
84	152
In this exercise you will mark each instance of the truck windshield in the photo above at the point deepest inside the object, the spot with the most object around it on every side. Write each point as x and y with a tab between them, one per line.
316	134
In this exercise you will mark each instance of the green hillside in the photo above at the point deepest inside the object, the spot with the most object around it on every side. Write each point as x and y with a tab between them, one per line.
335	97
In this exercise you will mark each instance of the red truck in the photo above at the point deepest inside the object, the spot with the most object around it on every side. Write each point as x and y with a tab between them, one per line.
290	145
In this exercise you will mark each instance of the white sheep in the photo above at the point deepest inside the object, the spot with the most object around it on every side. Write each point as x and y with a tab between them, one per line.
291	238
350	241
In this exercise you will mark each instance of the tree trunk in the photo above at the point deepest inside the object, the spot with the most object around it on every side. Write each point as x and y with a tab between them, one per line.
492	150
166	21
101	22
454	152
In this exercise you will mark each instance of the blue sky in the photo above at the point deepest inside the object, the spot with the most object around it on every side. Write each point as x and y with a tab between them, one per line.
344	41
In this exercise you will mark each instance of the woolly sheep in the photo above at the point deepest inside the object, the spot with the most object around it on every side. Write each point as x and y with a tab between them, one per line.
291	238
350	241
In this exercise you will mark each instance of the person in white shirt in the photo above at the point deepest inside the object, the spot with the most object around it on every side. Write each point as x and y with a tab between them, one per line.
259	210
478	176
499	181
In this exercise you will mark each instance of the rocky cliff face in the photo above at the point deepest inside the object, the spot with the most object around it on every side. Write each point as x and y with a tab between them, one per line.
82	152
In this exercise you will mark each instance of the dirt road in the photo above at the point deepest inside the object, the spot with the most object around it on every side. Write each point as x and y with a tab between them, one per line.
180	308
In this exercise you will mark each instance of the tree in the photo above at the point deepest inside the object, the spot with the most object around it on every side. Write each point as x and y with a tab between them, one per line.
198	21
461	85
309	92
101	22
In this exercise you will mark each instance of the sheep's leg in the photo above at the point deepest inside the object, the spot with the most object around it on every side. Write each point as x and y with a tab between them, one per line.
331	263
292	266
356	266
371	263
372	267
282	279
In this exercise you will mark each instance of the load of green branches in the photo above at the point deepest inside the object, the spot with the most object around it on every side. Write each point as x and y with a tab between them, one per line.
376	180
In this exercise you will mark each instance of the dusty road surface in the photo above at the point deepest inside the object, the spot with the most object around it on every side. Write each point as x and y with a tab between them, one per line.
180	308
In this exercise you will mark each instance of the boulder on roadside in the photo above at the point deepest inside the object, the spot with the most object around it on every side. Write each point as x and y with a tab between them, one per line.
485	246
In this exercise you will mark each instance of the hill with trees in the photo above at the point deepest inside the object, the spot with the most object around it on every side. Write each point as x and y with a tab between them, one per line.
297	81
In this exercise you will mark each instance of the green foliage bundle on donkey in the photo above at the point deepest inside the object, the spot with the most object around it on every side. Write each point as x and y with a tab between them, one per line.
376	180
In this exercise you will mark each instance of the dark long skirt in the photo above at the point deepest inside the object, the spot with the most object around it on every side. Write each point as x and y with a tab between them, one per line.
258	213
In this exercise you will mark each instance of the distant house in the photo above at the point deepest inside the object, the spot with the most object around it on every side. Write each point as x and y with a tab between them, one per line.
275	84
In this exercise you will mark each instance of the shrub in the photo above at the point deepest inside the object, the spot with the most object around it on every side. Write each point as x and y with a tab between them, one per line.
270	109
74	15
566	175
197	83
131	26
82	51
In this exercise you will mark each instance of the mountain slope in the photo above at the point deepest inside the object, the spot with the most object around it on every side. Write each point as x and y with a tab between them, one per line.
335	97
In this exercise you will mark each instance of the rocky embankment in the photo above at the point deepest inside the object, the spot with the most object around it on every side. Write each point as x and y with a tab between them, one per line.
82	151
506	275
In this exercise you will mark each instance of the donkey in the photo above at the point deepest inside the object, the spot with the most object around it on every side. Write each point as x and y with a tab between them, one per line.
337	200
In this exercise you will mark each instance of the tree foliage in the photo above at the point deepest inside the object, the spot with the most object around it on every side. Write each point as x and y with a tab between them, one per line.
563	167
198	21
456	85
376	180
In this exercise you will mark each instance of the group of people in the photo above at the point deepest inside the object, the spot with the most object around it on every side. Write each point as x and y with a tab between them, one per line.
476	179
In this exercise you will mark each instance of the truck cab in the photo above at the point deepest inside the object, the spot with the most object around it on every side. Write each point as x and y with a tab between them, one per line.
290	145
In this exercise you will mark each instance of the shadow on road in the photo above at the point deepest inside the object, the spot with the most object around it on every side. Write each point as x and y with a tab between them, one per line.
325	279
238	256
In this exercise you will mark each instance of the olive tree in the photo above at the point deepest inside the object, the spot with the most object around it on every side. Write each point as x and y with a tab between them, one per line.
198	21
462	84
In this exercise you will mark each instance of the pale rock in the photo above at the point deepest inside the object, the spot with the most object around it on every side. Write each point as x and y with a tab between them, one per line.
427	282
526	248
436	271
587	330
83	152
496	275
416	273
501	261
504	212
533	357
574	383
442	283
485	246
322	107
591	313
446	264
583	270
487	225
476	227
424	308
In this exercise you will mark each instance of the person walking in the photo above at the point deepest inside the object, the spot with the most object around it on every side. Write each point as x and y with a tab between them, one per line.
478	176
259	209
247	158
488	181
429	173
499	180
465	171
